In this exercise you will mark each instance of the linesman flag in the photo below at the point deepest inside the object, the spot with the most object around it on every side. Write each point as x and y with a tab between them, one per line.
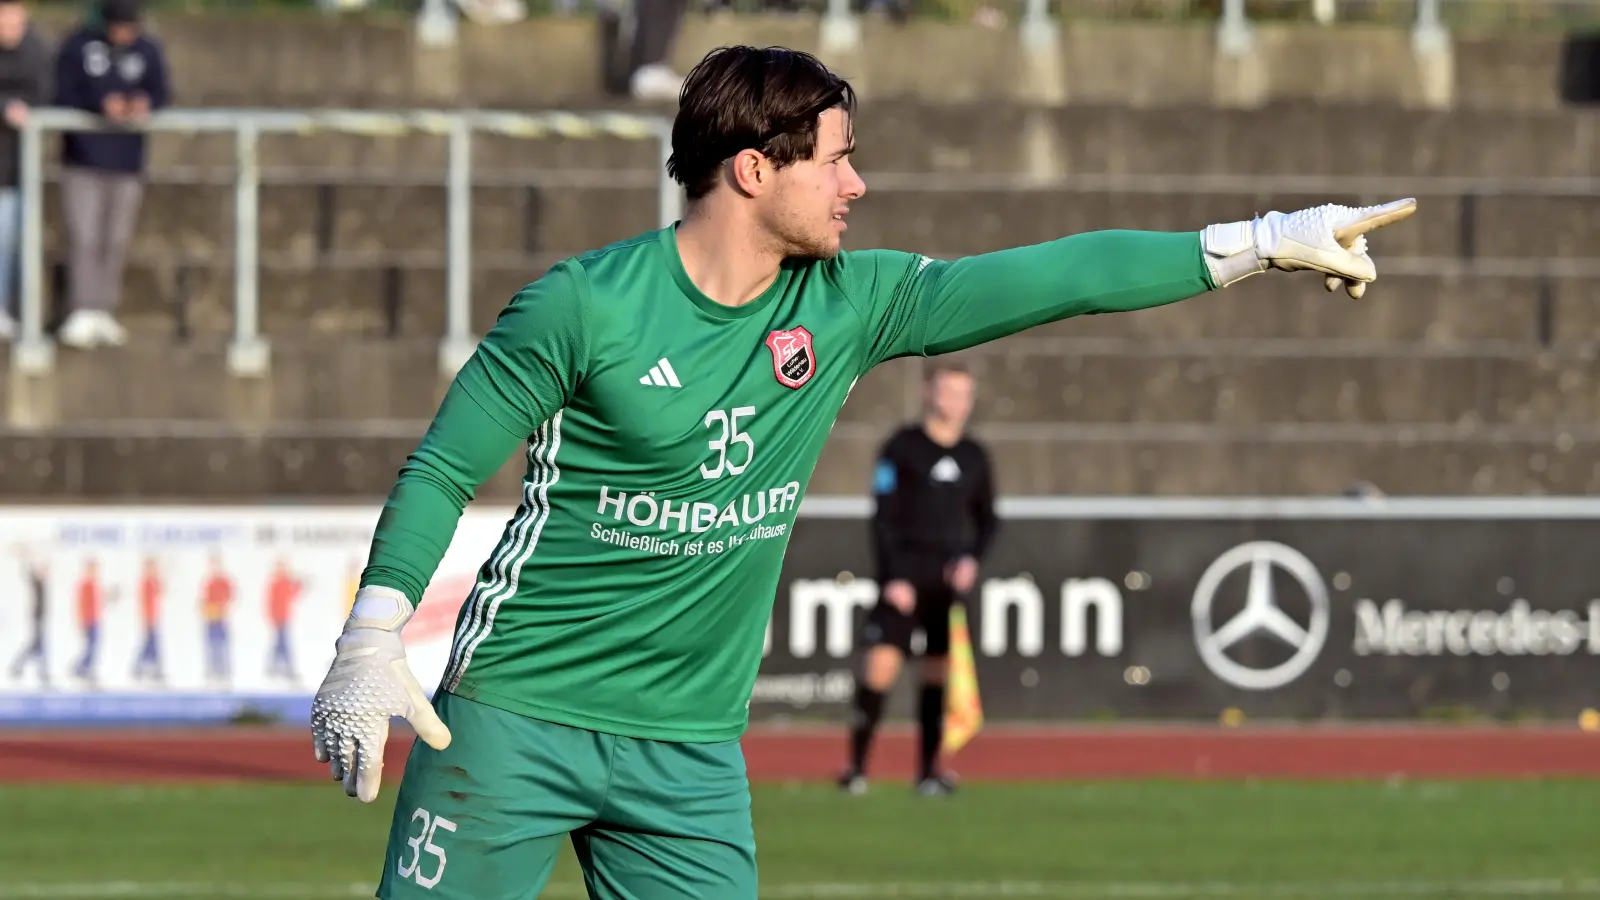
963	711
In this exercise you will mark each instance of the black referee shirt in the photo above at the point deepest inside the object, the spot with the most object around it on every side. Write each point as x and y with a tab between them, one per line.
935	504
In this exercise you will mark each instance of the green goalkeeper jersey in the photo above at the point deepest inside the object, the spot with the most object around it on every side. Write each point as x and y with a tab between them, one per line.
669	439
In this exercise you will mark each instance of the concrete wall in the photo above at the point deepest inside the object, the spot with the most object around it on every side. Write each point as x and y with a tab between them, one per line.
360	219
134	466
304	59
1440	381
900	137
1030	383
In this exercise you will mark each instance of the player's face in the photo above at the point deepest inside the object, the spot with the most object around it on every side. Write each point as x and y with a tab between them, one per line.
806	213
950	396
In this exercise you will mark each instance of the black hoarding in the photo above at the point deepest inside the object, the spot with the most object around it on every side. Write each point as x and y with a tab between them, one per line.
1283	609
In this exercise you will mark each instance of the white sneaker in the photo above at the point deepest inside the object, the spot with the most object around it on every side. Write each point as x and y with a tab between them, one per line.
80	330
8	327
110	330
656	82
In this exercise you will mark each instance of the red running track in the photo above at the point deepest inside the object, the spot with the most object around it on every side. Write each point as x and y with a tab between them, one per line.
816	754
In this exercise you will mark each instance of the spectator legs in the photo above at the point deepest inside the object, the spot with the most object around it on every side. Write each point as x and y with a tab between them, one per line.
659	21
641	37
10	241
101	210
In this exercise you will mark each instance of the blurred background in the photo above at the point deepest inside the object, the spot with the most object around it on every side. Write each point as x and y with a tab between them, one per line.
1293	595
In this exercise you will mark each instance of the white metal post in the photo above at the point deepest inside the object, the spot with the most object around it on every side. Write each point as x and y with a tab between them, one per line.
670	203
436	24
1039	32
458	345
841	30
1234	36
248	353
1428	35
34	353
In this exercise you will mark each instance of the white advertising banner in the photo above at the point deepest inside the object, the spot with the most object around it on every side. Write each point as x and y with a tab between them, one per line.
171	614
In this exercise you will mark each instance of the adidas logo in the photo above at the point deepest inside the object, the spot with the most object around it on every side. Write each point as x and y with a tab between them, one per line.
661	375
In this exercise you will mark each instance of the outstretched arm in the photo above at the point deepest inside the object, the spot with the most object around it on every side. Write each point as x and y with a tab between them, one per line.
925	307
980	298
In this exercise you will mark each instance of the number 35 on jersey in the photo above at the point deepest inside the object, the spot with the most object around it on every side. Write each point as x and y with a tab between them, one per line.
727	457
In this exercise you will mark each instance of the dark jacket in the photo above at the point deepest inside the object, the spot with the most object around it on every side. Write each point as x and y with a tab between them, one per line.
25	74
88	69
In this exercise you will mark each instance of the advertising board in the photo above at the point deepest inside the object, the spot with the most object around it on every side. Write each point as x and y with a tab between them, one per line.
1128	609
1179	609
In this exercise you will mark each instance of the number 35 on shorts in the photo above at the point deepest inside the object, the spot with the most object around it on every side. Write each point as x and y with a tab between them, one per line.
412	867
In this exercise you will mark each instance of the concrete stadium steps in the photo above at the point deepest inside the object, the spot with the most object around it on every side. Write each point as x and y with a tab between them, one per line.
1281	140
1302	461
195	222
1422	309
1024	382
147	466
302	221
1296	140
104	465
369	259
408	300
415	155
156	382
162	299
303	58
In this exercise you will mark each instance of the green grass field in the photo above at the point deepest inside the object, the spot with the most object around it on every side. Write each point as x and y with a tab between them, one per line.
1093	840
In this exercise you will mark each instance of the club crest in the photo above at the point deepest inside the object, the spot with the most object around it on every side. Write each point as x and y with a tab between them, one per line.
794	360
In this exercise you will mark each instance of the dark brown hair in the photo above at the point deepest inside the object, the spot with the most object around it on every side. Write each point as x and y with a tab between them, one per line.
744	98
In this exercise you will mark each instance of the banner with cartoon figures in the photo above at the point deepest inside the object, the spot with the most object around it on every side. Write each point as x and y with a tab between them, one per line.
171	614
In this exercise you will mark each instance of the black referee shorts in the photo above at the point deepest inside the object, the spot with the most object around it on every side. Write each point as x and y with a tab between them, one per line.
888	625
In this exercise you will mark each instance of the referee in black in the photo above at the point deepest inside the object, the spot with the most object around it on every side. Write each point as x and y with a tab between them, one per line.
934	521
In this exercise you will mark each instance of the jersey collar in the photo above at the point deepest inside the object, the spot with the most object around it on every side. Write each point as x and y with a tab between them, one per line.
669	247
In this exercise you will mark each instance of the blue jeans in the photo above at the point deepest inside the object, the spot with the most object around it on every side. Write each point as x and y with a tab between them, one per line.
10	241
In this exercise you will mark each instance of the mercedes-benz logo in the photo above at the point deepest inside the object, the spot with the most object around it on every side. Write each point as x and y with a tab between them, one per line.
1261	615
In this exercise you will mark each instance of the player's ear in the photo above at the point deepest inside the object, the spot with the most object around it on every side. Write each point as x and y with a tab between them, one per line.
752	172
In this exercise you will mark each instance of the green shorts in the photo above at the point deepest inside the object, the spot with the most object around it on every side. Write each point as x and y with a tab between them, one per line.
650	820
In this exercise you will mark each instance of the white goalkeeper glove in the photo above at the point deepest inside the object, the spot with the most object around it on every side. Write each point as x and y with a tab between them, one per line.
1330	239
369	681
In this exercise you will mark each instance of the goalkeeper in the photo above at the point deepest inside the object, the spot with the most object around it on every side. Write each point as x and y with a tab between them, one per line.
671	394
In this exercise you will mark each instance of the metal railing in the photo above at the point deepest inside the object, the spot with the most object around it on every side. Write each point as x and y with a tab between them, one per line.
248	351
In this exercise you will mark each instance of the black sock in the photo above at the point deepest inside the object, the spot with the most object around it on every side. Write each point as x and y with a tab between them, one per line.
869	706
932	714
